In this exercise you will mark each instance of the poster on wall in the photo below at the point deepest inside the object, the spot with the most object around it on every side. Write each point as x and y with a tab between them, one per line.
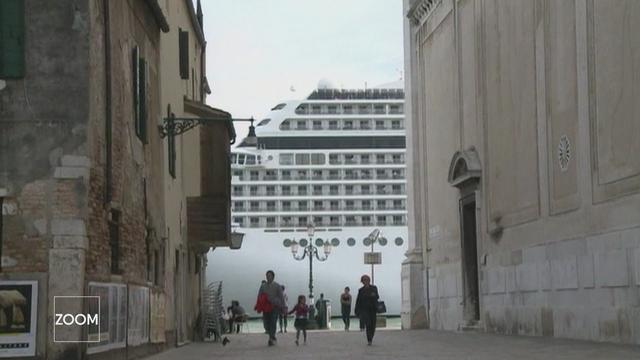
157	334
18	318
138	331
113	317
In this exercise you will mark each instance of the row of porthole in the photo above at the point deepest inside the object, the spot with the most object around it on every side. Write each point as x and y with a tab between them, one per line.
350	242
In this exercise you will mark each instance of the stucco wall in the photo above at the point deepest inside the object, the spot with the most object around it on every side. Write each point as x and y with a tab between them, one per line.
542	94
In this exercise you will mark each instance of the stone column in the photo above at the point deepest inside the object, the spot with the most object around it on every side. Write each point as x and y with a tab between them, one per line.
413	311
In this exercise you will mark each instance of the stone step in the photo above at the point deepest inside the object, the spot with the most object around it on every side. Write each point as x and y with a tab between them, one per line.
472	326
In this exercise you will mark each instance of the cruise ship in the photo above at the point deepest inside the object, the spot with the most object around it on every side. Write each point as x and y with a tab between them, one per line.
335	160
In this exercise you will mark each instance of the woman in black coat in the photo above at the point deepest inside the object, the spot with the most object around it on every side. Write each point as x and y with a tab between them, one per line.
367	306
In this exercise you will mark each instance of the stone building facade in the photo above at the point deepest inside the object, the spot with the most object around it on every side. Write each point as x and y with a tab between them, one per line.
525	180
198	176
83	164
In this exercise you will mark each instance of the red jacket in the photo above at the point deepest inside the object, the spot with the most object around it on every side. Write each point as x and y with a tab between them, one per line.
262	304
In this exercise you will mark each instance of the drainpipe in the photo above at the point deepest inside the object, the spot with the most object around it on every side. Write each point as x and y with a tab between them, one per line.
108	132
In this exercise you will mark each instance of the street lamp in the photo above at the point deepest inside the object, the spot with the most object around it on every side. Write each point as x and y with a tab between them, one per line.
372	257
311	251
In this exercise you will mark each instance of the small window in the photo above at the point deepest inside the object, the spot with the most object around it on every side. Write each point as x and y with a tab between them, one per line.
301	125
241	159
317	159
348	125
302	159
333	124
285	125
278	107
251	160
264	122
286	159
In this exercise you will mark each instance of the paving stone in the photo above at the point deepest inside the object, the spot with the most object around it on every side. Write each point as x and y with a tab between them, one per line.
395	344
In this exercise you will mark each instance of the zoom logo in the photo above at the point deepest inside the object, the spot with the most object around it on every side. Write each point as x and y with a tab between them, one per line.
74	317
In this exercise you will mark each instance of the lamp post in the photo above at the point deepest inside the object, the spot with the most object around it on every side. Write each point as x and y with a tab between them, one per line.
374	258
310	251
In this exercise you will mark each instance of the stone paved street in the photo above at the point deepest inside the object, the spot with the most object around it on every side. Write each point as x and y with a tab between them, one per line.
395	344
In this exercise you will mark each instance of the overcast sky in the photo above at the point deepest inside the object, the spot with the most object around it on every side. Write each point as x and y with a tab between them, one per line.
259	50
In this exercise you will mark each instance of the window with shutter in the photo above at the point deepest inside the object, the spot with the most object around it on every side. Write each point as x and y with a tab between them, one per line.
183	43
11	39
139	81
141	124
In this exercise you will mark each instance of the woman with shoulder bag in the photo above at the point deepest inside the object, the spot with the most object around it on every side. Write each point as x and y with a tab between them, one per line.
367	306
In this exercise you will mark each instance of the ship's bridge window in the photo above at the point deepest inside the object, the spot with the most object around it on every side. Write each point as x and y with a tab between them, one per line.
317	159
302	159
263	122
278	107
286	159
251	160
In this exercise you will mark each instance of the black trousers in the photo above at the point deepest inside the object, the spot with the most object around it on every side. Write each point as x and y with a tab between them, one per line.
346	316
368	319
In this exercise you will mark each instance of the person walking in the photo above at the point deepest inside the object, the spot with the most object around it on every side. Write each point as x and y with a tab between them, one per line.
272	291
302	315
345	302
282	317
367	306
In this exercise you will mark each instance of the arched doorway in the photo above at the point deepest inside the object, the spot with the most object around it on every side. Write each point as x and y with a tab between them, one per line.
464	173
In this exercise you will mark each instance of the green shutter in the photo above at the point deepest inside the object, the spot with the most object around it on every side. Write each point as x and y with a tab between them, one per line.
135	78
183	53
141	127
11	38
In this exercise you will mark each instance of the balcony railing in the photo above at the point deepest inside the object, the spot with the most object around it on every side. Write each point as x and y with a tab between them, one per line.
381	223
270	177
334	223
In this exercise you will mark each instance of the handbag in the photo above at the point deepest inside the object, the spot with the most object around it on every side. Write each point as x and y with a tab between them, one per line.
381	308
